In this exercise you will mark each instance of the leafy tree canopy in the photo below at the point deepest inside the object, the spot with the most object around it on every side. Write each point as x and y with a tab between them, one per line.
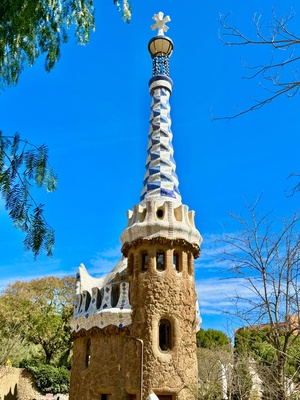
30	28
212	338
36	315
255	344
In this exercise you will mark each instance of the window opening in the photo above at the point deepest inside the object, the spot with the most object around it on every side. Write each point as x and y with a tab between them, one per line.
160	260
176	261
145	260
88	353
115	294
99	299
87	297
165	335
160	213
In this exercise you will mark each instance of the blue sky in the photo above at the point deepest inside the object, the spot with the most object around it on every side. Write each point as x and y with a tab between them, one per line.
93	110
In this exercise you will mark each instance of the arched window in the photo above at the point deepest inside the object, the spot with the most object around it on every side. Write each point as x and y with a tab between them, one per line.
88	353
165	335
98	298
176	261
145	260
160	260
115	294
87	299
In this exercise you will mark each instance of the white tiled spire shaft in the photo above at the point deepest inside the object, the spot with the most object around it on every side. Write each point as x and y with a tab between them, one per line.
160	179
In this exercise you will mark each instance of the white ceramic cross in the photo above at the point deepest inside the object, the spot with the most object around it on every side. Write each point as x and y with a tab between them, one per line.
160	23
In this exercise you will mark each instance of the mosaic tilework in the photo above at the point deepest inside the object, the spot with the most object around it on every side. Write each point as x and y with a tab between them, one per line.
103	319
160	178
87	315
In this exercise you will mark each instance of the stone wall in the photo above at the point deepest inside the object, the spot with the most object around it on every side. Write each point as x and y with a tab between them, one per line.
17	383
112	361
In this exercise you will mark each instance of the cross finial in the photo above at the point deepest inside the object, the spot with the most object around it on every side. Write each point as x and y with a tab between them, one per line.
160	23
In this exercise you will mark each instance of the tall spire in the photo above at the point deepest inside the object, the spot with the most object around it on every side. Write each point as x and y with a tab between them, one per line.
160	181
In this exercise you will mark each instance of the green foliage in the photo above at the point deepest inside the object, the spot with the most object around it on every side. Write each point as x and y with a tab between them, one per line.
125	8
49	379
242	380
212	338
255	344
31	28
35	317
22	165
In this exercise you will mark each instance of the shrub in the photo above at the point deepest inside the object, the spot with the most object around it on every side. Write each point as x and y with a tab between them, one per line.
49	379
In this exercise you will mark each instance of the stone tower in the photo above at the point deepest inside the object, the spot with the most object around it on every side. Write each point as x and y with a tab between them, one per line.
134	330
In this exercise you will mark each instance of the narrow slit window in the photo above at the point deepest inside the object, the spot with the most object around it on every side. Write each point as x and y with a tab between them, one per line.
87	298
98	299
145	260
160	260
176	261
115	294
165	335
88	353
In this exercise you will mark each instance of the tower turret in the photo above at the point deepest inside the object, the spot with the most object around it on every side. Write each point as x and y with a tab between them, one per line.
134	330
161	243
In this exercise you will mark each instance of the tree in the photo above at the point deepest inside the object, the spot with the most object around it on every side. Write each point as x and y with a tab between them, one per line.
34	27
279	74
264	256
212	338
22	165
253	345
215	373
11	336
215	360
29	29
241	379
37	315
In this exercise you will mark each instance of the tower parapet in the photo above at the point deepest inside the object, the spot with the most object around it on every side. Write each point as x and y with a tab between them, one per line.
161	219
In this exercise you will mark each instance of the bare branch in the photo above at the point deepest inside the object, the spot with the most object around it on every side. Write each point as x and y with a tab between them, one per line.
279	38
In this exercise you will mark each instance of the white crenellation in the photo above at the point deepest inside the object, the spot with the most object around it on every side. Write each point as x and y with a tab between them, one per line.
161	218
